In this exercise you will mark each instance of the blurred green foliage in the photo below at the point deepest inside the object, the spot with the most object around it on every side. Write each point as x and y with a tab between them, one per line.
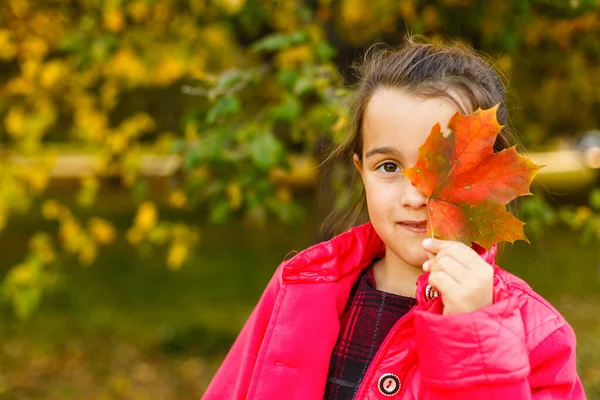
235	88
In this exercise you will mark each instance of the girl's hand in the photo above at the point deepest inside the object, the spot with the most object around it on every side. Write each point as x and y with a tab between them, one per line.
460	275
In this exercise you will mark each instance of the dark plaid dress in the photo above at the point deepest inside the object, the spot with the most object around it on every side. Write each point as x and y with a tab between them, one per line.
368	317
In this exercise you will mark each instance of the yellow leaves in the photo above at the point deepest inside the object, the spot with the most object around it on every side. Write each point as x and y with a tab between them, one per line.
408	10
36	178
581	215
231	6
113	19
183	233
179	237
197	6
352	11
23	274
108	95
117	142
134	236
178	252
19	7
51	209
304	171
360	23
14	120
8	49
216	36
30	126
30	69
218	48
43	23
34	48
128	66
294	56
283	15
89	190
234	195
197	66
505	62
125	64
24	281
340	126
160	234
13	192
183	239
90	123
122	142
42	247
146	217
70	234
161	12
83	243
87	253
138	10
102	230
177	199
52	73
137	124
19	86
168	70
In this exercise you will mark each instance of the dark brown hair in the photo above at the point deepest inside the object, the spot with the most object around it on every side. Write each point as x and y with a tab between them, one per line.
454	71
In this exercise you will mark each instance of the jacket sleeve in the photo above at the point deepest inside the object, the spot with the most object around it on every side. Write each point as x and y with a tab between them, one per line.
232	380
484	355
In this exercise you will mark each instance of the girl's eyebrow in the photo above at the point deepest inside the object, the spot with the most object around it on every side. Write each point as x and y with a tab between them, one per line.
383	150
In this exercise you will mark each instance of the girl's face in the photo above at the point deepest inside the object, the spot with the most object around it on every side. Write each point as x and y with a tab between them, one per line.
395	125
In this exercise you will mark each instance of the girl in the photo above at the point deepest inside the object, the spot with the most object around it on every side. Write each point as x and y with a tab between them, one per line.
342	319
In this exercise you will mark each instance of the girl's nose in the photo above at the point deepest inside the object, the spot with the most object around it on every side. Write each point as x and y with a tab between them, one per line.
413	197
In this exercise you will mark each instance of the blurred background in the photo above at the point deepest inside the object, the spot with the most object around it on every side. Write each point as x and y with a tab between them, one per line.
159	159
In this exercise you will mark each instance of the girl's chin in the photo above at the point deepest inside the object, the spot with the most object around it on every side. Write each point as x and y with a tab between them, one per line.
414	258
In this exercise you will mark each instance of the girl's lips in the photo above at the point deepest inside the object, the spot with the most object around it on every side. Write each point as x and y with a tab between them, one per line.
420	228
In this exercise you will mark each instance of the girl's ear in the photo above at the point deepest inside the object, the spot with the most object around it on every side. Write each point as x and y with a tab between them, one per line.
358	163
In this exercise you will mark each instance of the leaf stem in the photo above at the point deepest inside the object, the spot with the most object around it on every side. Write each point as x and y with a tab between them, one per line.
429	217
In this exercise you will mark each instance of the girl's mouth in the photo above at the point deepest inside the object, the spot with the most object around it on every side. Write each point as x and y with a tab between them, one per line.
413	226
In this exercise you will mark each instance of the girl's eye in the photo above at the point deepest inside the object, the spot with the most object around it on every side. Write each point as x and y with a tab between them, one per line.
389	167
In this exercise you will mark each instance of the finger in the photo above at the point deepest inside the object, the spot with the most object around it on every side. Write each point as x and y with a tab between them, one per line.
443	283
436	245
457	250
449	265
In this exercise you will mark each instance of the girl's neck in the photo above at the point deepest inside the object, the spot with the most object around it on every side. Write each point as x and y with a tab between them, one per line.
394	275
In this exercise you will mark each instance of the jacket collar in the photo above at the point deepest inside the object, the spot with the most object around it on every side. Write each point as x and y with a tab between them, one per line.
336	258
349	253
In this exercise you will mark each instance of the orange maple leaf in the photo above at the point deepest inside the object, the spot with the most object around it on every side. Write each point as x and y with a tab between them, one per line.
468	185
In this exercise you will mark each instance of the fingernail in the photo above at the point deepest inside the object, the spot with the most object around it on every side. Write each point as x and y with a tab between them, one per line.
427	242
426	266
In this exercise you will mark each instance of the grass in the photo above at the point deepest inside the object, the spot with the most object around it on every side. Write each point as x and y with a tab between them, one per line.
128	328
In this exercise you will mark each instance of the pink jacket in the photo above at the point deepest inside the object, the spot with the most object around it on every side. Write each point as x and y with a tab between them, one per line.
518	348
